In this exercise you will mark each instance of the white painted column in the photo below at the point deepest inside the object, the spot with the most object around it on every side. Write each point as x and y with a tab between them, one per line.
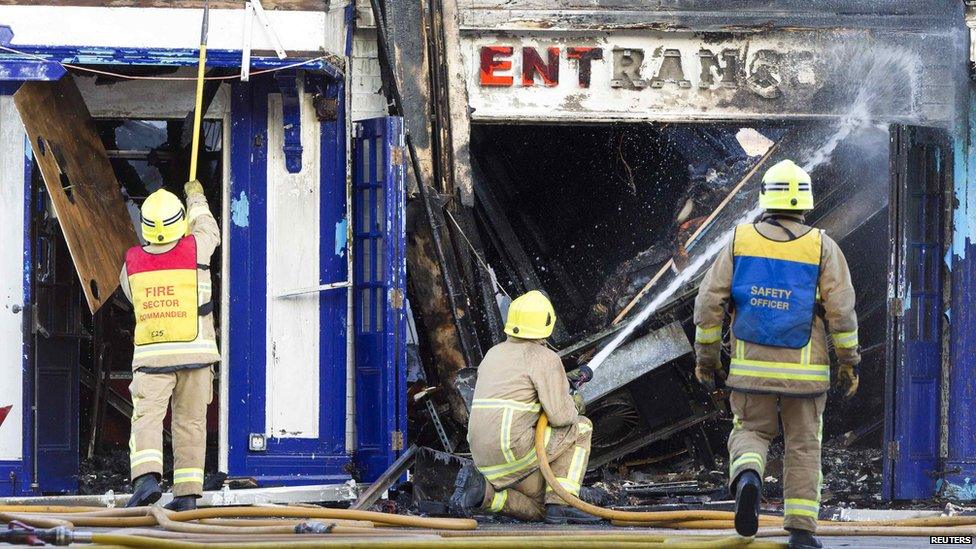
12	159
292	366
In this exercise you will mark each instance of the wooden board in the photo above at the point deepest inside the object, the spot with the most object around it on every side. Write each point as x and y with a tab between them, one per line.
291	5
80	181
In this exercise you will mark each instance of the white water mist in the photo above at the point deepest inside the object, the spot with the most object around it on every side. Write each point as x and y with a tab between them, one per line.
882	85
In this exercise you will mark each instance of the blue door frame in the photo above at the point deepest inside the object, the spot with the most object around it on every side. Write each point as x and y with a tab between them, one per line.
921	161
286	461
379	293
16	476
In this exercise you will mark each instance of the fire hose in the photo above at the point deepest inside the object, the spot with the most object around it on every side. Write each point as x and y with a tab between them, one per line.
273	527
769	525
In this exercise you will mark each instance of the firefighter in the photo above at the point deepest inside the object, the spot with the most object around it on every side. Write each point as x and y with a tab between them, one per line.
518	379
786	285
175	346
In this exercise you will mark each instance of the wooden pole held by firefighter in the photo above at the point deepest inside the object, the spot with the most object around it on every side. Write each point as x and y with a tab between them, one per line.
198	108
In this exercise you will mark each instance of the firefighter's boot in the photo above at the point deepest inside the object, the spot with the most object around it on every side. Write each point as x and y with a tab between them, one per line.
801	539
145	491
747	497
564	514
469	491
182	503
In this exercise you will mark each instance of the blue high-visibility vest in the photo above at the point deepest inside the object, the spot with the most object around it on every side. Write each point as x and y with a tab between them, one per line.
774	287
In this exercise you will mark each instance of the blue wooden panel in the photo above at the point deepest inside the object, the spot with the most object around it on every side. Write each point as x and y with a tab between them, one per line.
960	475
919	162
379	293
286	461
57	414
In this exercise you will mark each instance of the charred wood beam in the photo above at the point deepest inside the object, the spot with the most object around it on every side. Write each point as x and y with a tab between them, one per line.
499	171
436	294
508	243
430	298
654	436
386	480
489	318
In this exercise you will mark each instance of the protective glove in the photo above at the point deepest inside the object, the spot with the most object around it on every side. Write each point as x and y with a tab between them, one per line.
579	376
706	376
580	405
848	377
193	187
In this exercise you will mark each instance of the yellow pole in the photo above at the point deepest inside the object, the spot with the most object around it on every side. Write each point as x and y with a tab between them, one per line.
198	109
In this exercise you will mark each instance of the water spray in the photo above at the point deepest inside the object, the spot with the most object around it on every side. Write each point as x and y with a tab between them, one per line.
855	120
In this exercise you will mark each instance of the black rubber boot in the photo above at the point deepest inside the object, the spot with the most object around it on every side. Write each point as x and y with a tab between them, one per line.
145	491
594	496
801	539
469	491
564	514
182	503
747	495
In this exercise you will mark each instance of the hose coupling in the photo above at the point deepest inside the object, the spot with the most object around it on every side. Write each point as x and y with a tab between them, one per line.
313	527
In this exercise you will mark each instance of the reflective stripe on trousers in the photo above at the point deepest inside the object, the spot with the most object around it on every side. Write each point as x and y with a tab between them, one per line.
498	501
748	458
145	456
527	461
191	474
801	507
574	477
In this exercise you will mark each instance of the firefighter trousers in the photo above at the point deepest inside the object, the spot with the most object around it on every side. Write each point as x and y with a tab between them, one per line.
526	499
756	423
190	391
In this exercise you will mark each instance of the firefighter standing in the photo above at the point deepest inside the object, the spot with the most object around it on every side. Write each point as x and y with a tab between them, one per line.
785	284
517	379
168	283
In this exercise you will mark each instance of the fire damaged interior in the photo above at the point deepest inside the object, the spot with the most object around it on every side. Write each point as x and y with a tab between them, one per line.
609	219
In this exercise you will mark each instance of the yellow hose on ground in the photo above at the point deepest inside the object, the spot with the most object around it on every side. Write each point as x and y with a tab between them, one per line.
724	520
140	516
538	542
280	522
47	509
663	518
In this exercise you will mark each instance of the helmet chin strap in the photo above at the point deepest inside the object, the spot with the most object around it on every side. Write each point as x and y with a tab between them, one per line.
773	219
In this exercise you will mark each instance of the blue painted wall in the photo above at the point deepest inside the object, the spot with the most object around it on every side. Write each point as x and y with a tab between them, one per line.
961	465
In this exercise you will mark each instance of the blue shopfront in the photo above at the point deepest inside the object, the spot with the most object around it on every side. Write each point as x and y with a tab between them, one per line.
311	270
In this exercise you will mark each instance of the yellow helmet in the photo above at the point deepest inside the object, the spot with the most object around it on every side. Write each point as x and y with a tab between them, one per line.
786	186
163	218
530	316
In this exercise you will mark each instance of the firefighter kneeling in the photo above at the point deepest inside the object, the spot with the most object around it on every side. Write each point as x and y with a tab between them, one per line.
518	379
785	283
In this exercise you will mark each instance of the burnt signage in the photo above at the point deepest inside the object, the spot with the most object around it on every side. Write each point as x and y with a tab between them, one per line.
638	75
761	71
